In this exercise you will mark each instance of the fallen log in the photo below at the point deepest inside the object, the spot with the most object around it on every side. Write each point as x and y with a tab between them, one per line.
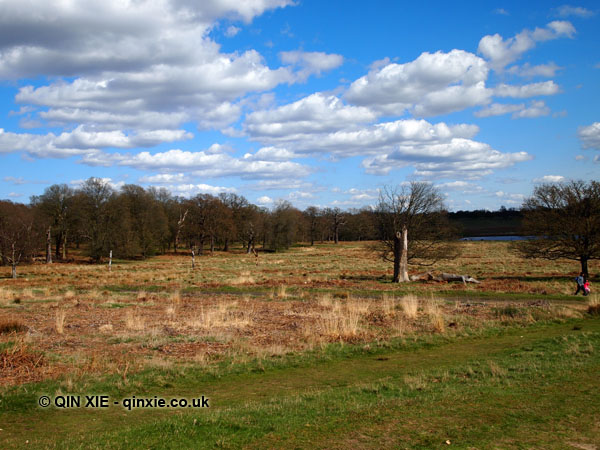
443	277
422	277
449	277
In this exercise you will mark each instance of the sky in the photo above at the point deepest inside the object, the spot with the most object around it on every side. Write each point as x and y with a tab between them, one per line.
320	103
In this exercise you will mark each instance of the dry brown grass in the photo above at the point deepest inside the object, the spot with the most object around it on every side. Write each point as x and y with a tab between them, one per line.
277	312
410	306
594	305
8	326
134	321
59	324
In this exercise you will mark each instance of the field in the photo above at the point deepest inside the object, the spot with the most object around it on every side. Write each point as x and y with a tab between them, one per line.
310	348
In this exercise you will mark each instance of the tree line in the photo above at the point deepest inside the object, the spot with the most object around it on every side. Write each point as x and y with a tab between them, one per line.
410	224
137	222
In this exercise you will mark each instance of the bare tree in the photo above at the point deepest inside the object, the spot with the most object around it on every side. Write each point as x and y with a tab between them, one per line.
336	219
19	237
55	205
565	218
417	209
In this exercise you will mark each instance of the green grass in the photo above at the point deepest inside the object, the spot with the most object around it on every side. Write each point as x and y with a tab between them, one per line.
499	389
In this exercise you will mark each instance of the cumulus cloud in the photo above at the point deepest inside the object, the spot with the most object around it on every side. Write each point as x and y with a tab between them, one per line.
549	179
499	109
519	111
317	113
200	163
271	154
590	136
464	187
190	189
527	90
434	83
455	158
311	63
141	60
528	71
501	53
81	141
535	109
264	200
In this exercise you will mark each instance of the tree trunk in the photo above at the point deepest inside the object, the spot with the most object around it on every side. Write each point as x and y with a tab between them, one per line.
404	257
193	259
584	267
110	261
397	252
401	256
49	246
14	271
64	247
226	246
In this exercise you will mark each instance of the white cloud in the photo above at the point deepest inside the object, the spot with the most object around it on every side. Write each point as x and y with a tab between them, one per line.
164	178
498	109
501	11
81	141
510	199
568	10
463	187
132	65
202	163
232	30
590	136
311	63
580	158
527	90
456	158
549	179
535	109
502	52
264	200
271	154
542	70
316	113
434	83
190	189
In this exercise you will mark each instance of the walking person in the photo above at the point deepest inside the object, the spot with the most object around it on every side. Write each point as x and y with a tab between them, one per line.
580	280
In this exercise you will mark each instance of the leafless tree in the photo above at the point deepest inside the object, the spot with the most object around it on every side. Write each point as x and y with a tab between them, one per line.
413	227
19	236
565	218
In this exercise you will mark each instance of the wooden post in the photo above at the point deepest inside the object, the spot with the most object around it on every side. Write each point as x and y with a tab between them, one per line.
110	261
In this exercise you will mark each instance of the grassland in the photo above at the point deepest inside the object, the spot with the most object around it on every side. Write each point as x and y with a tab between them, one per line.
312	348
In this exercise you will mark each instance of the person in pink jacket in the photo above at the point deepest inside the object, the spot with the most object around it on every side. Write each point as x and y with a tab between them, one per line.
586	287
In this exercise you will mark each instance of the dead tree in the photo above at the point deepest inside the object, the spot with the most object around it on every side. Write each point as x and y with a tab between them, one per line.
417	210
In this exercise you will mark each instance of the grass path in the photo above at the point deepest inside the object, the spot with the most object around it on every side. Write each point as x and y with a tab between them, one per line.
395	398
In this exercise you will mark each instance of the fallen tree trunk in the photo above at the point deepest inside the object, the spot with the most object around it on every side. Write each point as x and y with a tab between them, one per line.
454	277
446	277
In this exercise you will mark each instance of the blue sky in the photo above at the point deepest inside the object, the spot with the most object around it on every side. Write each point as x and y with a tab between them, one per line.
318	103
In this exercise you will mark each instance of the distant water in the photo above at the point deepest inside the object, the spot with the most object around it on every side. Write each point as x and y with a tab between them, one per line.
497	238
